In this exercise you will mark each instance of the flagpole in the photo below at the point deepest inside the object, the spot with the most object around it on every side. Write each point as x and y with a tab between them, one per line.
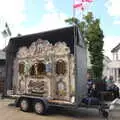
74	29
74	24
75	56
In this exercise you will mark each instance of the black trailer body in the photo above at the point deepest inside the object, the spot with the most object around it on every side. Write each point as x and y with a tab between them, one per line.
66	51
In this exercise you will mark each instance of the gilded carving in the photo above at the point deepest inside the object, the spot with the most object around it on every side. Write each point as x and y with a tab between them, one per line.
23	52
46	70
61	89
38	87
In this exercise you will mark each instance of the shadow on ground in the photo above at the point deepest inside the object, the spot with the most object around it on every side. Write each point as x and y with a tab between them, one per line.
82	113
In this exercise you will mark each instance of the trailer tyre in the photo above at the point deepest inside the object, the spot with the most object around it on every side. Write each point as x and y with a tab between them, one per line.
105	114
39	108
24	105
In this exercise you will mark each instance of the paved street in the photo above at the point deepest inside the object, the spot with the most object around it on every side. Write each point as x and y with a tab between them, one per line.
9	112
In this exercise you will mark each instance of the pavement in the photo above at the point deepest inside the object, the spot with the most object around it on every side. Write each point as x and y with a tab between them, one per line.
9	112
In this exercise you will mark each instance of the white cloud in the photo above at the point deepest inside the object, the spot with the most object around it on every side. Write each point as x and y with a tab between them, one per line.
11	11
51	20
113	7
109	43
54	18
49	6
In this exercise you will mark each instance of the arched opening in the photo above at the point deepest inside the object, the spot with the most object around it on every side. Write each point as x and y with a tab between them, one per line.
21	68
41	68
60	67
32	70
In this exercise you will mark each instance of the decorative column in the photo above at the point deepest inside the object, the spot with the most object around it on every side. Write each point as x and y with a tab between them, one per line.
117	75
116	55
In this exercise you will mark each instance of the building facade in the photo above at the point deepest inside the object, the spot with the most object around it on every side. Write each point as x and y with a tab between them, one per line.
115	64
106	67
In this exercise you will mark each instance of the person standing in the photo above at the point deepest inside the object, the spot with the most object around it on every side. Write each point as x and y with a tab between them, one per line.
112	87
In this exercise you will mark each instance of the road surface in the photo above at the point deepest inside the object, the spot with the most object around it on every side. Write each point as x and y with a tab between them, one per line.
10	112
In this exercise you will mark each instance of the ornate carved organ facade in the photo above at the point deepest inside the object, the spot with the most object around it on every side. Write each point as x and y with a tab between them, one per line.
46	70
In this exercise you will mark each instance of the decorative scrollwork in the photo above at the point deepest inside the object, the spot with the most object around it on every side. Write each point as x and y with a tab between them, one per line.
48	67
39	87
61	88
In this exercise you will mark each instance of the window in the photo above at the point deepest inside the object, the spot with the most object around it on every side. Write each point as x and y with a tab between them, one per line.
32	70
60	67
38	69
21	68
41	68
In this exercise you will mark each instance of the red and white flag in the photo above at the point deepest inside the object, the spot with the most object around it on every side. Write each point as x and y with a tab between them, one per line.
87	1
80	3
77	5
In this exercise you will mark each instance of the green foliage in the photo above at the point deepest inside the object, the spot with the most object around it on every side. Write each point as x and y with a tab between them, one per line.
90	28
72	20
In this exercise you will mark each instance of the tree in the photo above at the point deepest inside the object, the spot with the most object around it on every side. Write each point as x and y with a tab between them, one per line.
93	34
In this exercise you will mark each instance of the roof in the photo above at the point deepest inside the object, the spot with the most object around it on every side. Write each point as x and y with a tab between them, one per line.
115	49
65	34
107	58
43	32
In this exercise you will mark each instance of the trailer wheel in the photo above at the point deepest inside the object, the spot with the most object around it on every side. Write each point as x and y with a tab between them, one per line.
24	105
39	108
105	114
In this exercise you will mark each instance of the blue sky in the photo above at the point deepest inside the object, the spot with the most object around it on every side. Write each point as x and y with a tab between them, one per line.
35	9
31	16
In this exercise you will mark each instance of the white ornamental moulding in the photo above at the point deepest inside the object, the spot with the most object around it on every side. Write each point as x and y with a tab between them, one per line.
43	47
